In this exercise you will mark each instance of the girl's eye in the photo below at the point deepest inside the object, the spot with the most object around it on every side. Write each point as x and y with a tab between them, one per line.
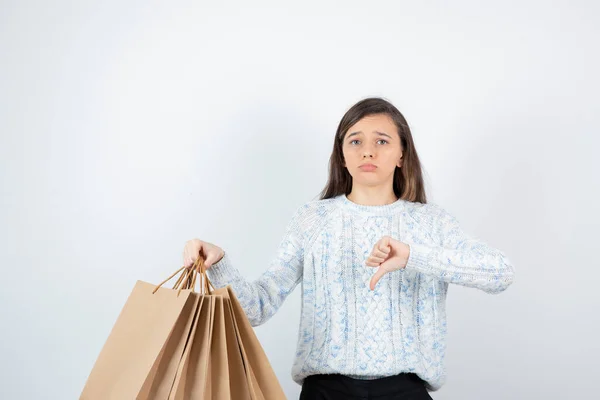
380	140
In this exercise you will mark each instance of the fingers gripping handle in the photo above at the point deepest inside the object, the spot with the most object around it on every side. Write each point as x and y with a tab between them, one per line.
187	278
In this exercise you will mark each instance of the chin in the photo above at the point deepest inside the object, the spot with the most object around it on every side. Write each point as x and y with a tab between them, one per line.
369	182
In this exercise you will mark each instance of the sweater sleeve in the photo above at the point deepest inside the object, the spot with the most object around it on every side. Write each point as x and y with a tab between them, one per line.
462	259
261	298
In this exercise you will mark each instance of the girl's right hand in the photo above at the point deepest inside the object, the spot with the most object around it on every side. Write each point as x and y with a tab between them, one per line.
193	248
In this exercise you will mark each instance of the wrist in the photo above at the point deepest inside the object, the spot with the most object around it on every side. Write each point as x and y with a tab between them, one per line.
405	254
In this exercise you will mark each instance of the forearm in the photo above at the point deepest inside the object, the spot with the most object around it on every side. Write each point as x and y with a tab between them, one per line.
474	264
262	297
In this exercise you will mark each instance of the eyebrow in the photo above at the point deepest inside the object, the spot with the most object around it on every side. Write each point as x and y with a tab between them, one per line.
377	132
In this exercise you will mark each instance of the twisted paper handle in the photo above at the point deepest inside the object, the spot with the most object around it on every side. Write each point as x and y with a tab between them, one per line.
187	278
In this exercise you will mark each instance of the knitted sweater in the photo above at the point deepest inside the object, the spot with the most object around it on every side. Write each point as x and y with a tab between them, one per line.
345	327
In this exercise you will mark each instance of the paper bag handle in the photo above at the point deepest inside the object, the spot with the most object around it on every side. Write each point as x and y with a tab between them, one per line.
187	278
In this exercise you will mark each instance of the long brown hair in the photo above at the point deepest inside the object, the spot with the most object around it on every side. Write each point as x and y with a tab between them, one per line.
408	180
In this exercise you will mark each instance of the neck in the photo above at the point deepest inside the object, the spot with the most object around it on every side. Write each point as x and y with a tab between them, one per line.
372	196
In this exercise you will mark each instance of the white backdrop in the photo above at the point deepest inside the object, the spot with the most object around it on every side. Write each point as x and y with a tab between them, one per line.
130	127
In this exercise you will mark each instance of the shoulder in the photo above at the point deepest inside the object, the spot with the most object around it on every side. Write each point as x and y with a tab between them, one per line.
311	216
430	216
313	210
427	210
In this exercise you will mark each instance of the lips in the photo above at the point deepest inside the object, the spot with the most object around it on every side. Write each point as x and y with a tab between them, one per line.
368	167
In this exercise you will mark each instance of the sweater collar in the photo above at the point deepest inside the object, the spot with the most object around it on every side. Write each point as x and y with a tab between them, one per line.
386	209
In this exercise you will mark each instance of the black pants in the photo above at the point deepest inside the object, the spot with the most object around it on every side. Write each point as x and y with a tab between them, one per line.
405	386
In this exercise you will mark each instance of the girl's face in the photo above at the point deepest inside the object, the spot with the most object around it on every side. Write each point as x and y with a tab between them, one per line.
372	140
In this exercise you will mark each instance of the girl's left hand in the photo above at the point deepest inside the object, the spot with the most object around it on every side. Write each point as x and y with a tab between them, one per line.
389	255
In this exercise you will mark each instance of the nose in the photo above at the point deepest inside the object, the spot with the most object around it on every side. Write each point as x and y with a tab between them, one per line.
368	151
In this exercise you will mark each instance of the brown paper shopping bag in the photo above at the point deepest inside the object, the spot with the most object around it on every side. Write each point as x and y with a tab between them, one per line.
190	381
139	359
178	344
212	367
225	359
159	383
261	378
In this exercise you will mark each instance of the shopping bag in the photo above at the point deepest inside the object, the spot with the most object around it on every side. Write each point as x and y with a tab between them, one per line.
261	378
220	373
191	379
225	359
179	344
159	383
143	350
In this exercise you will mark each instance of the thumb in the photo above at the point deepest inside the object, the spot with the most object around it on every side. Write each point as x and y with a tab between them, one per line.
376	277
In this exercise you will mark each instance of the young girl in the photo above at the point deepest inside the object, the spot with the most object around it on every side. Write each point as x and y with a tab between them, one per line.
374	261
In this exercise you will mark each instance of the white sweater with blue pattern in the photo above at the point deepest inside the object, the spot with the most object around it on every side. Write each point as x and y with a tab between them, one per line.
345	327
